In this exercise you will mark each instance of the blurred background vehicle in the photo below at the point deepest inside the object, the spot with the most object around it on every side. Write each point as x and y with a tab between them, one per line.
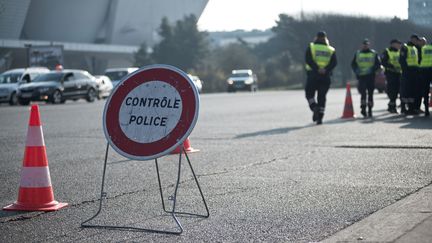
117	74
58	86
104	86
12	79
380	80
243	79
197	81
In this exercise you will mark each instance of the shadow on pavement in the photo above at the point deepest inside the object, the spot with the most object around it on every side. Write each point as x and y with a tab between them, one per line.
4	213
411	122
283	130
274	131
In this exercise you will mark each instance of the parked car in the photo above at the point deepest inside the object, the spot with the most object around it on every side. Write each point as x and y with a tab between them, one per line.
12	79
197	81
104	86
59	86
117	74
243	79
380	81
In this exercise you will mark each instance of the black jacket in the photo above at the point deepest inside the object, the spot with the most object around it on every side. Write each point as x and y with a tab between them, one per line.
309	60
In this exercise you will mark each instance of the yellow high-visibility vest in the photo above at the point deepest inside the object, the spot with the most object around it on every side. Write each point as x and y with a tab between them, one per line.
426	61
321	54
412	56
394	60
365	62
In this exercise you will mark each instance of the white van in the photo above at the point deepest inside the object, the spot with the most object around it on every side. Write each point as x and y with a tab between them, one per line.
12	79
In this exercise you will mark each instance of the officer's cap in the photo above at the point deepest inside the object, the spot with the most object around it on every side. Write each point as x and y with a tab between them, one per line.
321	34
395	41
415	36
366	41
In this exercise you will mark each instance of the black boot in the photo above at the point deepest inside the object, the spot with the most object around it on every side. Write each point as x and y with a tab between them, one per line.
412	110
392	108
315	115
363	111
370	111
403	108
320	118
427	110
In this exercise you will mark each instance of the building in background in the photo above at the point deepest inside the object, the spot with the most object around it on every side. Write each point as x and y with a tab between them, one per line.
93	35
420	12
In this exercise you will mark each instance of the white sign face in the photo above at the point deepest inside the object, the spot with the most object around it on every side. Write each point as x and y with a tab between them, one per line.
150	111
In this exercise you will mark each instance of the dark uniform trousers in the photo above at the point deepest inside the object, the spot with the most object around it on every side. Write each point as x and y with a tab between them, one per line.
393	87
409	83
320	84
366	88
426	79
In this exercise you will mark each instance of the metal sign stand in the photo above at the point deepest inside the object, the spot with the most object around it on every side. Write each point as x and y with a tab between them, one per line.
173	198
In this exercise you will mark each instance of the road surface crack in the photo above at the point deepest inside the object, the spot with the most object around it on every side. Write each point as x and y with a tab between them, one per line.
172	185
383	147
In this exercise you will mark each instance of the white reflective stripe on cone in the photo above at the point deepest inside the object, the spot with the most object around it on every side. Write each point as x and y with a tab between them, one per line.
35	177
35	136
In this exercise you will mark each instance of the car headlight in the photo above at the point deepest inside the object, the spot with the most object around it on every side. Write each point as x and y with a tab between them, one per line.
230	81
43	90
249	81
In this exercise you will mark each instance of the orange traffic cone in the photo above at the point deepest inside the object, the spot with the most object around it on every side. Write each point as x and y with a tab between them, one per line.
186	146
35	192
348	109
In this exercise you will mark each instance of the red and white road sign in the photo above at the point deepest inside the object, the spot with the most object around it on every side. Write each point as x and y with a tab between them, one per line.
151	112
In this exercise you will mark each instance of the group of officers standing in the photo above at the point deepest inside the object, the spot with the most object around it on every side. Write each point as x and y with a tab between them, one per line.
408	71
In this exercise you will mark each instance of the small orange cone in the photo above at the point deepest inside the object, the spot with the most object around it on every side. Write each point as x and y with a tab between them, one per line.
35	192
186	146
348	109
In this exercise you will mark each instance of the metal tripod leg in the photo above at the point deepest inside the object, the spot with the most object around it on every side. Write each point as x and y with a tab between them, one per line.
103	195
197	183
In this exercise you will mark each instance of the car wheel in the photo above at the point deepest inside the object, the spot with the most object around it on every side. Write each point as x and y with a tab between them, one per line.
13	99
91	95
56	97
23	101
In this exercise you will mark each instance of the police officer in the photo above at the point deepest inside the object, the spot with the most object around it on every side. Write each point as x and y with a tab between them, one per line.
365	64
408	59
320	61
426	74
393	71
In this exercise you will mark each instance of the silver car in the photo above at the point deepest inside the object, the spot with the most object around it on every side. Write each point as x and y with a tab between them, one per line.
12	79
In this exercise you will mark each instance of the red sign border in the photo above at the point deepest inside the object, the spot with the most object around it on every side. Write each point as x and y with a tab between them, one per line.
147	151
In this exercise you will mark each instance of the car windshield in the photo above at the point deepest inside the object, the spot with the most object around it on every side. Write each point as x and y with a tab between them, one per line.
10	78
116	75
49	77
240	75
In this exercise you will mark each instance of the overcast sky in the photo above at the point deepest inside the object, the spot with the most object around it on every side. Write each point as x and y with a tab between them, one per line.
261	14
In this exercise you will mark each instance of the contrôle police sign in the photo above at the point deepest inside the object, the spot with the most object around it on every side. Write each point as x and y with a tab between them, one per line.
151	112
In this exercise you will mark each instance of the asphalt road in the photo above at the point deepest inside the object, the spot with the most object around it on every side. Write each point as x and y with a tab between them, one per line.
267	172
